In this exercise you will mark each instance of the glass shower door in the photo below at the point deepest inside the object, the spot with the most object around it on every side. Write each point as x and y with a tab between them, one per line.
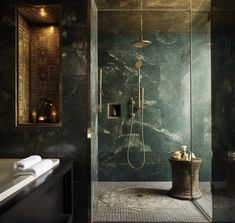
201	100
93	106
176	76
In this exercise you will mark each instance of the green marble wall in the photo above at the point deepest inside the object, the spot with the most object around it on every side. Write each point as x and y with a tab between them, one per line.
165	74
201	102
166	79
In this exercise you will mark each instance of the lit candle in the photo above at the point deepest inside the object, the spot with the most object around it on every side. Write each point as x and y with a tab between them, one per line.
34	116
53	115
41	119
51	29
42	12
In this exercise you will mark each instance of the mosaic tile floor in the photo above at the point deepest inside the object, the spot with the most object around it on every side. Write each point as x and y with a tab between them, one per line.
143	202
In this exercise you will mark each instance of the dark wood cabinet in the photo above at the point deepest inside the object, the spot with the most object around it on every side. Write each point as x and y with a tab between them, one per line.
43	201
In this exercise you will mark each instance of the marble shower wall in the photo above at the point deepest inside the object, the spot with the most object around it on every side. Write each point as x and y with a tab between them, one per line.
68	141
166	79
201	102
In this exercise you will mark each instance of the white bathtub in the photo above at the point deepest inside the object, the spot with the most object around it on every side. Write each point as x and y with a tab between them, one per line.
9	184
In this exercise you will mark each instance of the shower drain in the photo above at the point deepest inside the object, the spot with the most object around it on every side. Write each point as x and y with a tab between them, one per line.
137	199
139	195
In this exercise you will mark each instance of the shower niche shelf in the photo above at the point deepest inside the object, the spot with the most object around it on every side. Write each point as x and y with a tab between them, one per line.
114	111
38	78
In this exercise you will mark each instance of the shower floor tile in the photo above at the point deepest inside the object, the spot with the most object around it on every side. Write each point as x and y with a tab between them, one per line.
143	202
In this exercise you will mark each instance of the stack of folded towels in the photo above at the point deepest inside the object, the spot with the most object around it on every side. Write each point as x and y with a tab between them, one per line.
32	165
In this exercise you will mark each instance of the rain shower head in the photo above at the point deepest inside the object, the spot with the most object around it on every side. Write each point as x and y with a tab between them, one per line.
141	43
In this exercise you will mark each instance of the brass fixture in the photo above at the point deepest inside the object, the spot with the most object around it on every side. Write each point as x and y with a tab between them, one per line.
134	110
141	43
48	112
89	133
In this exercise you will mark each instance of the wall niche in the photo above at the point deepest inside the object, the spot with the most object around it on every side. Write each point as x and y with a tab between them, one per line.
38	76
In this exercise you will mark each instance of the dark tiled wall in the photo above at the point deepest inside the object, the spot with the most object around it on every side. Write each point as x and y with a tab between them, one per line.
68	141
39	70
23	69
44	68
223	107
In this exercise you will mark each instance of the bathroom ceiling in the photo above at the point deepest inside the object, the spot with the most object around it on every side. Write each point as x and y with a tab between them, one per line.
159	16
41	14
153	4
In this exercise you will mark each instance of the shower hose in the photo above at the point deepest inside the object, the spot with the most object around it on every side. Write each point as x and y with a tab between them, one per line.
142	138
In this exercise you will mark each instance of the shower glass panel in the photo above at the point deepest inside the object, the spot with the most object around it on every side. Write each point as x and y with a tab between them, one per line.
223	94
93	107
201	98
165	73
170	73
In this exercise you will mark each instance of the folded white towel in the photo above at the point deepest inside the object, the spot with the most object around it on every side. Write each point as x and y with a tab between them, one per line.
37	169
27	162
43	178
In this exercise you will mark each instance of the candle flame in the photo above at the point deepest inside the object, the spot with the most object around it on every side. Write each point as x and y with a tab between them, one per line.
42	12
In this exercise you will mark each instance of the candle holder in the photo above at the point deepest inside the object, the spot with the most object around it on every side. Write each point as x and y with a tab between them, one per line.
34	116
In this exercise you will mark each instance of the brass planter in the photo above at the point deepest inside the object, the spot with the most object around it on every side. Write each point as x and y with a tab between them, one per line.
185	179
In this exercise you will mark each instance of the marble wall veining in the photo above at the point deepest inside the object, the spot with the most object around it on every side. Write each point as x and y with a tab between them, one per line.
201	102
166	79
165	76
68	141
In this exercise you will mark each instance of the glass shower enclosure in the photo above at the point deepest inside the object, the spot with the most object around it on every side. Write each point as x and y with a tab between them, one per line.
175	72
